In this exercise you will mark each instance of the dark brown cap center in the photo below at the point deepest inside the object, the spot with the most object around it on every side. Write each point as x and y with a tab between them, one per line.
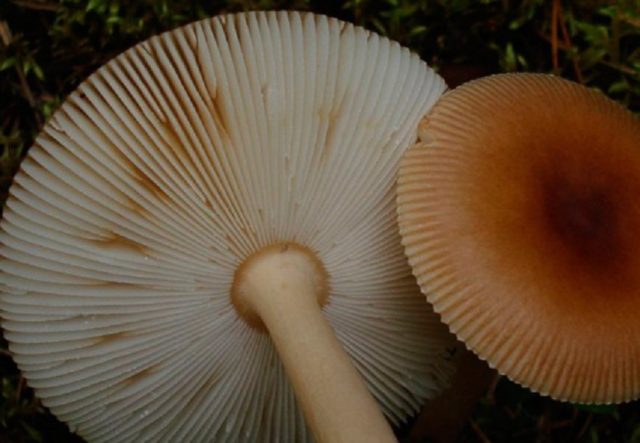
584	220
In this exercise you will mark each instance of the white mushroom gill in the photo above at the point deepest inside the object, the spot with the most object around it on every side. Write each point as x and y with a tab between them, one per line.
162	173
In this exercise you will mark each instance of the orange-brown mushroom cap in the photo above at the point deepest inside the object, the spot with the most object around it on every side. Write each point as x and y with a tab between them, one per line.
519	211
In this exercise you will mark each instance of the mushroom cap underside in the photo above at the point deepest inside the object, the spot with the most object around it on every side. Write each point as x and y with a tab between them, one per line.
162	173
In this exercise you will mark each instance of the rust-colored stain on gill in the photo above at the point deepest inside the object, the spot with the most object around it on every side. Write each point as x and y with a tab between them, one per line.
213	379
332	122
140	375
148	183
232	244
115	241
174	143
117	286
219	115
140	176
110	338
135	206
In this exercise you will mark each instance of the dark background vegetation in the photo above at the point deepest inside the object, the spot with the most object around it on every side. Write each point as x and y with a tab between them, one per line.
47	47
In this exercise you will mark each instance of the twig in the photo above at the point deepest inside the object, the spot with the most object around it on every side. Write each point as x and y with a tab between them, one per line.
622	68
491	392
555	11
617	66
36	5
6	353
558	21
560	424
585	427
5	33
20	387
614	41
544	423
629	19
567	41
546	38
24	86
507	410
481	435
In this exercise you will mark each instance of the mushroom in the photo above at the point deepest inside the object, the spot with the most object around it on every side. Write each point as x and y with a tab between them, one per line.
212	195
519	214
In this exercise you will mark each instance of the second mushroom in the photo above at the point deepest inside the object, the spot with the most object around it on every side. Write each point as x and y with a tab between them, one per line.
519	213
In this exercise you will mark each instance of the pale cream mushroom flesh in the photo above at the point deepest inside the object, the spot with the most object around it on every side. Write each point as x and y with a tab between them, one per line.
519	211
210	193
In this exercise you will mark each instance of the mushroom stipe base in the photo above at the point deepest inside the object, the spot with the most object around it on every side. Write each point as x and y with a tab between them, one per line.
276	266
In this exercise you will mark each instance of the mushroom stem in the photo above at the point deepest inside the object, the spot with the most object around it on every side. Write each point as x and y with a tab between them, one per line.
284	286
